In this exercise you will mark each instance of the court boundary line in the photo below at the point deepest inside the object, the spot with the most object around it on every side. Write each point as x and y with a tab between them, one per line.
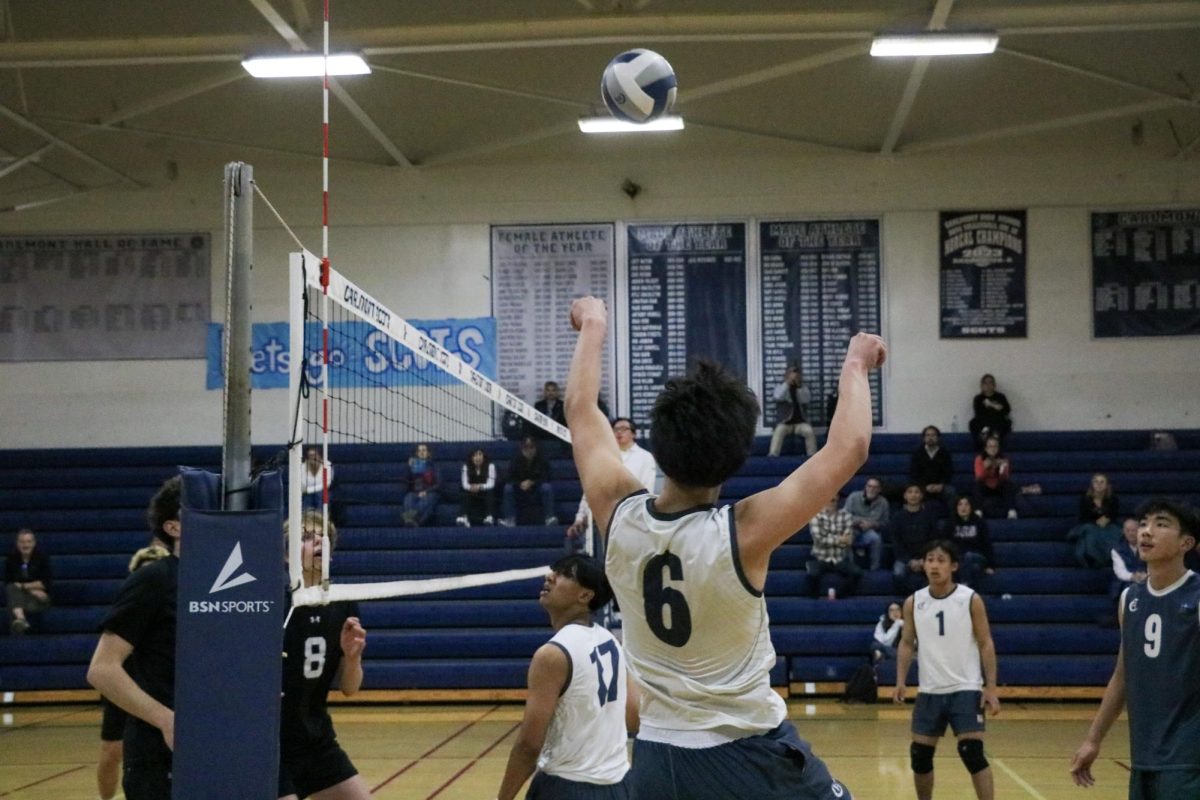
432	750
1018	779
44	780
473	762
1122	765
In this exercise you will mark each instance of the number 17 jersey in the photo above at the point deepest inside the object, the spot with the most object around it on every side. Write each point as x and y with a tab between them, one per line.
695	631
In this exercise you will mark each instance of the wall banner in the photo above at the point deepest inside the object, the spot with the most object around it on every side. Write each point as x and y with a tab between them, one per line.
983	258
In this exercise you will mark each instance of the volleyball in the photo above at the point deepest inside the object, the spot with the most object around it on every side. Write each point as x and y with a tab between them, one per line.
638	86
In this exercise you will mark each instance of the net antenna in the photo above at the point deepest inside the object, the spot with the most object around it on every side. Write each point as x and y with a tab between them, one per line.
361	374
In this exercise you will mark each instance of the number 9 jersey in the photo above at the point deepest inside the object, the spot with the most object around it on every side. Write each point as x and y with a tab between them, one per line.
312	653
695	631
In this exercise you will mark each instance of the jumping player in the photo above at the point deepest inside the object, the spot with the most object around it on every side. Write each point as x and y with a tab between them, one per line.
957	664
689	576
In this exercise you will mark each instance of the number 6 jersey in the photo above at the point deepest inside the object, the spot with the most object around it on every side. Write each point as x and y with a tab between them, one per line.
695	630
312	652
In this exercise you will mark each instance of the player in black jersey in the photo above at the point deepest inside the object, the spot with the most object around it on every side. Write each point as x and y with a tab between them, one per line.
320	643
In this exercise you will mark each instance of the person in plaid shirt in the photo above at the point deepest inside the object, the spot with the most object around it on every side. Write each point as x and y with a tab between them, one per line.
831	563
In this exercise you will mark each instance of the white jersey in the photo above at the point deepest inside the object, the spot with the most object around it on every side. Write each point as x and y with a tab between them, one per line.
695	630
640	463
586	738
947	653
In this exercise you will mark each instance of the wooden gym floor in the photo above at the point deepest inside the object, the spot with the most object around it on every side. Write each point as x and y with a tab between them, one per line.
458	751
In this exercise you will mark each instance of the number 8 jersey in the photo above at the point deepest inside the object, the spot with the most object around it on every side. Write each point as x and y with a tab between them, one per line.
695	630
312	652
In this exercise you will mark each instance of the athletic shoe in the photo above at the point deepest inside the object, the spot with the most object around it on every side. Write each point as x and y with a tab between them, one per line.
1012	513
488	520
551	520
462	522
19	626
507	522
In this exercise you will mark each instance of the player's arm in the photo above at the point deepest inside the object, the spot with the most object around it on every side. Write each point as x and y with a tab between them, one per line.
107	674
904	653
548	675
633	696
987	653
353	642
605	479
767	519
1110	709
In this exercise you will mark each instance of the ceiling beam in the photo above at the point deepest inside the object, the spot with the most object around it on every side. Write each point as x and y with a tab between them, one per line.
692	122
487	87
806	64
937	22
28	124
281	26
1099	76
304	21
549	132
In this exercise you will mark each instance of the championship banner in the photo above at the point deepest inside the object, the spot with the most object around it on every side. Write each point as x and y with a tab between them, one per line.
359	349
1146	273
820	286
537	270
107	297
983	258
687	300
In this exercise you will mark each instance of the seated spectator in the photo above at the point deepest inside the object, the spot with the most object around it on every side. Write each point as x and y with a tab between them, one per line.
870	511
314	481
422	487
528	478
969	531
887	633
831	563
552	406
930	468
636	459
995	494
1097	533
27	578
991	413
478	490
909	530
1128	567
791	413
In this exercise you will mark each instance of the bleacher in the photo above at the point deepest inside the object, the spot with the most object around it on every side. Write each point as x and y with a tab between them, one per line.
87	507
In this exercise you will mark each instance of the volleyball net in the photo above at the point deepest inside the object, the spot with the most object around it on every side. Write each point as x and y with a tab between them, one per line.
363	375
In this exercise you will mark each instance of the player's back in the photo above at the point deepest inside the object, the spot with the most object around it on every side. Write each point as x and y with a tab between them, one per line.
696	632
947	653
1160	637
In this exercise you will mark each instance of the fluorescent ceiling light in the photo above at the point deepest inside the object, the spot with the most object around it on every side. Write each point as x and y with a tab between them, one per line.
614	125
934	43
306	66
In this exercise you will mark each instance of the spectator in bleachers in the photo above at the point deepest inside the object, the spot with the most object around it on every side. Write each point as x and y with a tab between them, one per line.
1128	567
528	478
27	577
969	531
931	468
1097	532
991	413
422	487
551	405
791	412
995	493
636	459
911	528
870	511
887	634
478	490
831	562
314	481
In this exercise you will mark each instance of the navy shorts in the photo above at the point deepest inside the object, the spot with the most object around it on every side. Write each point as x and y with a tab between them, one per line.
147	777
1167	784
962	710
112	721
552	787
777	765
306	772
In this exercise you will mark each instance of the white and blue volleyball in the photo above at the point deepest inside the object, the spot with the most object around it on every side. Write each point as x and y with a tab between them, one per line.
638	86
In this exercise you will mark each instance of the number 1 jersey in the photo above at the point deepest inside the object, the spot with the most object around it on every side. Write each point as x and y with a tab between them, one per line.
312	653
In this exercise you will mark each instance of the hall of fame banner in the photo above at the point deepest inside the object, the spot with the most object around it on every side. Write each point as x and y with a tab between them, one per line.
1146	273
104	297
982	275
537	271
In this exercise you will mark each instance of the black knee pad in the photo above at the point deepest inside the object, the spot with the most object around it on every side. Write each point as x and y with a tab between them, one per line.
971	753
922	758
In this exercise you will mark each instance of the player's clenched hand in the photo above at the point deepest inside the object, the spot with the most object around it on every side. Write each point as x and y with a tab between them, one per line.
586	308
1081	763
867	349
898	694
354	638
991	701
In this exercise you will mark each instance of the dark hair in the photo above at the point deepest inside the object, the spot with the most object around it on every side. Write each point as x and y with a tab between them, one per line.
163	508
946	546
632	425
587	572
910	485
1189	519
986	376
954	511
703	425
886	619
933	428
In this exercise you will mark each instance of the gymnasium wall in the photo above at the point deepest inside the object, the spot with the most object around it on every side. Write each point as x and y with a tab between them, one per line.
418	239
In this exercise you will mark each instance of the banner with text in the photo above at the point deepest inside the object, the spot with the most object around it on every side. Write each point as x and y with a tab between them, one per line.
537	270
687	300
1146	273
359	353
983	257
820	286
104	297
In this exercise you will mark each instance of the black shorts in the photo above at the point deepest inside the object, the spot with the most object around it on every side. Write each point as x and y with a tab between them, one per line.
147	777
304	772
112	721
552	787
1174	784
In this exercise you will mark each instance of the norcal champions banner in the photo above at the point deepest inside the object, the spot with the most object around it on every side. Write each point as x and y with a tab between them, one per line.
1146	273
112	296
358	350
983	274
